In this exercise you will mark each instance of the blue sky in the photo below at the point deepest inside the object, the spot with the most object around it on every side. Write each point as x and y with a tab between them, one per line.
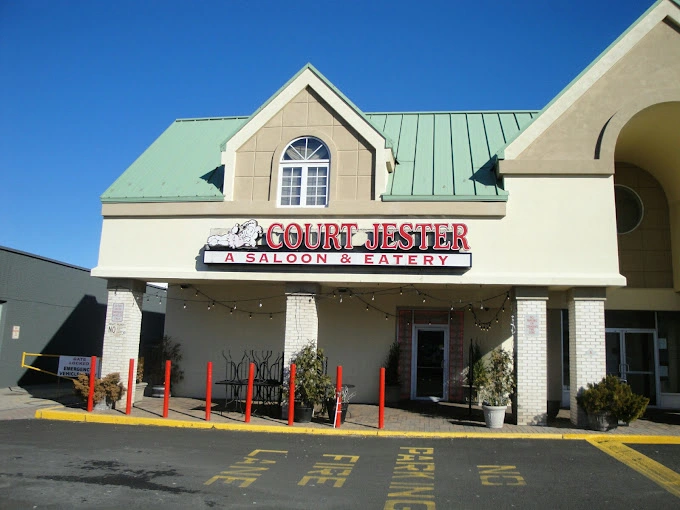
86	86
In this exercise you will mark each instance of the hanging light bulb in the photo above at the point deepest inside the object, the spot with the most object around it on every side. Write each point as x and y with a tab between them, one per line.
196	295
367	308
385	316
270	316
341	299
452	307
424	300
231	311
260	304
185	305
333	294
208	306
234	306
481	305
401	291
250	315
373	297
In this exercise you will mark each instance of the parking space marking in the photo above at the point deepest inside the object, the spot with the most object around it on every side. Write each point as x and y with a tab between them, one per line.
658	473
412	484
500	475
248	470
336	470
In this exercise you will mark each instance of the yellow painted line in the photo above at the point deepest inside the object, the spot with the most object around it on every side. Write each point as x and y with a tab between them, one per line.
658	473
60	413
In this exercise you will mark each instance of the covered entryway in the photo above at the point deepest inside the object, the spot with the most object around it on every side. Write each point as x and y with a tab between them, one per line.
430	362
630	356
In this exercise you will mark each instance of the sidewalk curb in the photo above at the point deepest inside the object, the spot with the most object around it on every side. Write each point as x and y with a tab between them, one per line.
58	415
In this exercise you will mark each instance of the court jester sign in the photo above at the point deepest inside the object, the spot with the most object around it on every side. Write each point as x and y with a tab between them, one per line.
342	244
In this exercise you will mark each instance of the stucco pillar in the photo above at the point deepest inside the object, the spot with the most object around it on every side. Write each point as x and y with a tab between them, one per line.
587	356
531	355
302	321
123	327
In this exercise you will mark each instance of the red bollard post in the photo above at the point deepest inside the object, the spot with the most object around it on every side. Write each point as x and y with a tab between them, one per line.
166	395
90	395
338	396
208	391
381	408
291	396
131	372
249	393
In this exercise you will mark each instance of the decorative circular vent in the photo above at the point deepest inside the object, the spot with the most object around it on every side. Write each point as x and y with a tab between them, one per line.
629	209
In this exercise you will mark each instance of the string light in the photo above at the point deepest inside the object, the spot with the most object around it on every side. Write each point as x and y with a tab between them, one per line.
270	316
373	297
260	304
185	305
250	315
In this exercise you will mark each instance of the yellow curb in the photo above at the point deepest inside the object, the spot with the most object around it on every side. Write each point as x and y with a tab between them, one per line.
58	414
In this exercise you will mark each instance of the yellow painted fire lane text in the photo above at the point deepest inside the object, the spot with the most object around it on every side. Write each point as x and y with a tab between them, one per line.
244	472
500	475
412	484
334	471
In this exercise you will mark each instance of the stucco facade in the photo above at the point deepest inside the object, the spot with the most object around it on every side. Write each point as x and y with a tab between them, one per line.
545	261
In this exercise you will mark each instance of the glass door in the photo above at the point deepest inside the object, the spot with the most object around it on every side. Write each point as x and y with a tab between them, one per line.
430	362
630	356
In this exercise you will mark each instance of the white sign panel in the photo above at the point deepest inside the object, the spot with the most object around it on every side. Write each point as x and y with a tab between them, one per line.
339	258
531	324
71	366
16	330
117	312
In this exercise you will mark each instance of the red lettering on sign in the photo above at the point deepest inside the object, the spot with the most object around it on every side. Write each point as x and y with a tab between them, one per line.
383	260
332	231
459	235
291	258
321	258
423	234
229	257
412	260
308	236
397	258
406	242
264	259
349	229
443	258
440	242
306	258
427	260
372	244
250	257
277	260
270	239
368	258
292	228
389	229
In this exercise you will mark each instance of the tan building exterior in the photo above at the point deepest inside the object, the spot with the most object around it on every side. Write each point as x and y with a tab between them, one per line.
560	243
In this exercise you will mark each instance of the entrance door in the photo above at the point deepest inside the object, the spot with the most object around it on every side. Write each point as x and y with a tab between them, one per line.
430	362
630	356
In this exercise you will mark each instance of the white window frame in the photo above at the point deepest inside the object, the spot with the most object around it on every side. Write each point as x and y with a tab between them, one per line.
305	164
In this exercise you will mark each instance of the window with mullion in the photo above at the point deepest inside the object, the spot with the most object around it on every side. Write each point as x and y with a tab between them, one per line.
304	172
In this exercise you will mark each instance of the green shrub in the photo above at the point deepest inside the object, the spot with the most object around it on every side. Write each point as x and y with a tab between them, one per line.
311	382
500	379
109	388
613	396
392	365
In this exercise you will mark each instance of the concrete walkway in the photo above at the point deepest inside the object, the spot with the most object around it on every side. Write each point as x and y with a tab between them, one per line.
415	420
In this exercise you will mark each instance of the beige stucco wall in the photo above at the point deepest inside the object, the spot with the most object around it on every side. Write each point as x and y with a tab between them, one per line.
645	253
650	66
307	114
548	237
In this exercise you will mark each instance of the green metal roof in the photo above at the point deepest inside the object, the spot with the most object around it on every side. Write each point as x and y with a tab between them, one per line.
448	156
182	165
441	156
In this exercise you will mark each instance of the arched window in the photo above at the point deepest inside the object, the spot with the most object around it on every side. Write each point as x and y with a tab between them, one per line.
303	174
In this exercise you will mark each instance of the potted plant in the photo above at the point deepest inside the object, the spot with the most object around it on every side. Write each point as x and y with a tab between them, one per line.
311	382
392	387
610	401
499	385
332	402
107	391
167	349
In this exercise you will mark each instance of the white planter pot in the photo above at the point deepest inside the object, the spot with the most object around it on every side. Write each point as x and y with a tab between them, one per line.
494	416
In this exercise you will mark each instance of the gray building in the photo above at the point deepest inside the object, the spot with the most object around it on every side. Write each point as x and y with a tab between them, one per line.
50	307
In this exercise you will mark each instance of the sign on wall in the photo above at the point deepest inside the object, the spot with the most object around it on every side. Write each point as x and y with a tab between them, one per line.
71	366
429	245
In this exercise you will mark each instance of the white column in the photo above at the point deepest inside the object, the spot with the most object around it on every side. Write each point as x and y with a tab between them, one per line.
122	330
302	321
531	355
587	355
